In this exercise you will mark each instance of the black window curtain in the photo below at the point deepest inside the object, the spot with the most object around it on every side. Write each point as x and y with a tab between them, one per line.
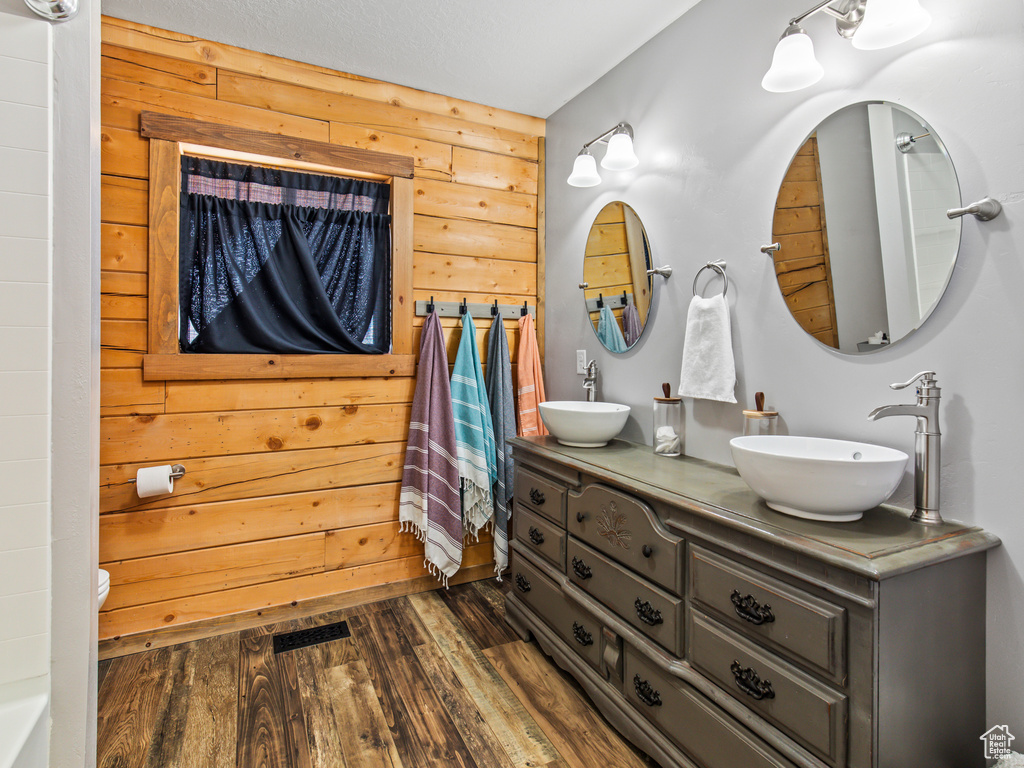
275	261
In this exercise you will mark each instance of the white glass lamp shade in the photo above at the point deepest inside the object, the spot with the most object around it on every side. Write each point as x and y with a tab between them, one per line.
793	64
584	171
890	22
620	155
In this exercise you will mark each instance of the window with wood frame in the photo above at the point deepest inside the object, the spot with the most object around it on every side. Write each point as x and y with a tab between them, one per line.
197	147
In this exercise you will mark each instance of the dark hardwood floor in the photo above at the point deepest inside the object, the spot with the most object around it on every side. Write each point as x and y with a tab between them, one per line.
433	679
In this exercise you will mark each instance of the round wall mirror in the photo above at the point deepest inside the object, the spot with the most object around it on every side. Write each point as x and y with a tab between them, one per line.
866	247
616	286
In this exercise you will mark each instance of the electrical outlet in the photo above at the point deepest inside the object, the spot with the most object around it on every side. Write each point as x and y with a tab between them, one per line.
581	361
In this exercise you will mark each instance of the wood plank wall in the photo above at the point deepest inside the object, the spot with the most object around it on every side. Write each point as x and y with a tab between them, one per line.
802	264
606	261
292	485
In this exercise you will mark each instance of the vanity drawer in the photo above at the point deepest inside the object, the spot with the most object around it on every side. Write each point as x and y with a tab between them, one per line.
578	628
627	530
541	495
707	734
809	711
653	611
539	535
781	616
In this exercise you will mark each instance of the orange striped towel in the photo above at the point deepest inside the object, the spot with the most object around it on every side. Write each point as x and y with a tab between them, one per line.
531	380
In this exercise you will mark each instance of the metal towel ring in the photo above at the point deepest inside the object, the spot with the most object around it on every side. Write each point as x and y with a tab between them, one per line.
717	266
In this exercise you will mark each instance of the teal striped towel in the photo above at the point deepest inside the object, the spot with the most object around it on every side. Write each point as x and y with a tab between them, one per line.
474	433
608	332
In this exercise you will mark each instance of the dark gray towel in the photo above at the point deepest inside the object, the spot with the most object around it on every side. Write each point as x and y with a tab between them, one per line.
501	395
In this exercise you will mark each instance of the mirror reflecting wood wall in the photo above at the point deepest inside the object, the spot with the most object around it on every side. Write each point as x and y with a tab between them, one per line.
866	247
802	263
615	266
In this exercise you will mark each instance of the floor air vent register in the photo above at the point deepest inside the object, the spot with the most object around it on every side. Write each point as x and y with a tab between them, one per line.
303	638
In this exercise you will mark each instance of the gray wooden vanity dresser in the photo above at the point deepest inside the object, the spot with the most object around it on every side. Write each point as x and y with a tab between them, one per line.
714	632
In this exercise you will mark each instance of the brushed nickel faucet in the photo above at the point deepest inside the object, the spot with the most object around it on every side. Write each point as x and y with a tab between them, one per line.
927	437
590	381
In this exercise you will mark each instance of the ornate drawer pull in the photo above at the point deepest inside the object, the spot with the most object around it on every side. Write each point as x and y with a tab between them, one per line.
536	536
522	583
647	613
582	636
750	683
536	496
646	550
579	517
581	569
645	692
749	609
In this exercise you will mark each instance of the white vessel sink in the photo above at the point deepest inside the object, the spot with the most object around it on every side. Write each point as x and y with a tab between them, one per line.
582	424
817	478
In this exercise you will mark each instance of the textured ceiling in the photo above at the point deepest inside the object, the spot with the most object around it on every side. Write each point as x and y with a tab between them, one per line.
528	56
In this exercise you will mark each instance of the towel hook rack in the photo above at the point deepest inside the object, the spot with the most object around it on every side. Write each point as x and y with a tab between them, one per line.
665	272
771	248
719	267
464	307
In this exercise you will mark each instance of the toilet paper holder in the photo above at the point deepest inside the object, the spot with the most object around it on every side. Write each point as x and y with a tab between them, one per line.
177	472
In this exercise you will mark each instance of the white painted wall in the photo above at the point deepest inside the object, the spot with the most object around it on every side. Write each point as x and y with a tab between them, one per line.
76	379
851	216
25	331
713	147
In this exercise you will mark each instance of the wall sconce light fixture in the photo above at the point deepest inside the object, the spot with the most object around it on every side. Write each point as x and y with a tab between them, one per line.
867	24
54	10
618	157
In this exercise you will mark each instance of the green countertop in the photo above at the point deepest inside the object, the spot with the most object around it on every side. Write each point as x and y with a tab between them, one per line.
883	543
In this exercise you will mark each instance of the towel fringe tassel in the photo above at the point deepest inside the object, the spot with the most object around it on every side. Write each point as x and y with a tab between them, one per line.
408	526
434	571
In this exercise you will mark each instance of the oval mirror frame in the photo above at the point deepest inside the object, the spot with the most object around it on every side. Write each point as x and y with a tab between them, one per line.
867	250
617	290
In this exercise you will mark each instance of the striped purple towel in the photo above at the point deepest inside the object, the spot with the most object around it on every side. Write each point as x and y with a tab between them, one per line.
631	325
429	505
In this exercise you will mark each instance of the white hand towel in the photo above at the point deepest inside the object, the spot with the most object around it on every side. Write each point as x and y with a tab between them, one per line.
708	371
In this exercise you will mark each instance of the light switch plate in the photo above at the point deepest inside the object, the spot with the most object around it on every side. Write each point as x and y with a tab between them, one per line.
581	361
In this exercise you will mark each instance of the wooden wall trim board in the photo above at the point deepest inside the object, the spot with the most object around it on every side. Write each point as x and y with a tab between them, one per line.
298	152
164	208
290	502
541	252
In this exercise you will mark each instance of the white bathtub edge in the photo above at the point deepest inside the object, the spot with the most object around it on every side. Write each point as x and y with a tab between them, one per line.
24	709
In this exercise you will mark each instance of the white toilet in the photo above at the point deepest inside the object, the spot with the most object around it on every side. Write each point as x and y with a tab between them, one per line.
104	586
